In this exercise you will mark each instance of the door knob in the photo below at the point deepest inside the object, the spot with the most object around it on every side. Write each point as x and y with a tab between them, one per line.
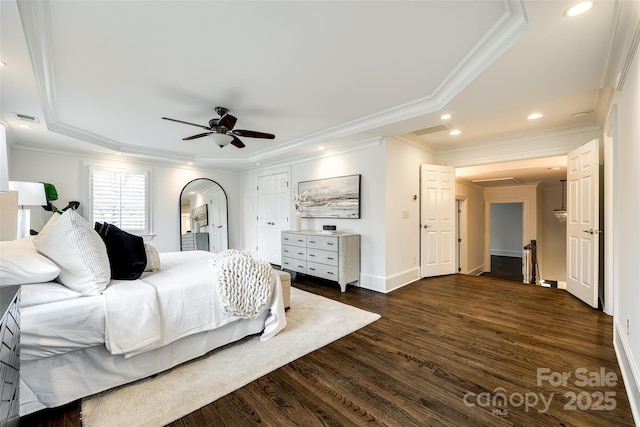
426	226
592	231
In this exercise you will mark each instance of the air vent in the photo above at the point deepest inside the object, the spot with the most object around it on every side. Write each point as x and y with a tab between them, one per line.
26	118
433	129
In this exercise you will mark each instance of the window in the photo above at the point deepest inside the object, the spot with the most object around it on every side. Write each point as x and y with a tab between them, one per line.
120	197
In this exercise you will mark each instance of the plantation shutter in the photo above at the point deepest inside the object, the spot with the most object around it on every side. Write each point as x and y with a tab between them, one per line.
119	197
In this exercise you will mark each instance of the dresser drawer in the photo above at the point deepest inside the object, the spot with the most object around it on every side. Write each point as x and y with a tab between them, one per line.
294	239
322	270
329	243
322	257
297	252
293	264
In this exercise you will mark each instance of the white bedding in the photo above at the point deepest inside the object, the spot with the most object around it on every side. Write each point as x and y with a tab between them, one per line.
134	316
60	327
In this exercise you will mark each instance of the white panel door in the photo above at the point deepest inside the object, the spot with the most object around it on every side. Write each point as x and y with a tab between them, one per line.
273	215
437	220
582	222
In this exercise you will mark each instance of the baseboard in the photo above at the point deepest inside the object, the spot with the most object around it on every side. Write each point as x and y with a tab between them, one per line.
401	279
628	368
373	283
477	271
506	252
389	283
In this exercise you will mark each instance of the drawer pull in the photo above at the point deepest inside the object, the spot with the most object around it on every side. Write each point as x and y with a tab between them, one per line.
330	257
312	241
330	272
301	266
300	240
300	253
330	243
285	251
311	255
312	269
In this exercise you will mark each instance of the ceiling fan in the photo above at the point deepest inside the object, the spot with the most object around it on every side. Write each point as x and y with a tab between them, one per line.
221	130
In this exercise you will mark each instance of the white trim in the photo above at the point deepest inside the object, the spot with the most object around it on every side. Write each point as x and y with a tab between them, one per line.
628	368
506	252
477	271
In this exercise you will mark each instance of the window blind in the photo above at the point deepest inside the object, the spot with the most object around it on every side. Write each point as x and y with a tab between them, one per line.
120	198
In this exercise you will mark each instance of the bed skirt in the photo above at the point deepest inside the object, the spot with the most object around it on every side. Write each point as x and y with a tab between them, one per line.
71	376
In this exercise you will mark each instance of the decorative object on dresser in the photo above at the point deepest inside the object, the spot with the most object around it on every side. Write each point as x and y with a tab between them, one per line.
333	257
195	241
337	197
10	356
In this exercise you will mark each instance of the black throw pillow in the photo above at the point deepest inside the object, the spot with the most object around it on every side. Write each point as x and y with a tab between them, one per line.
126	252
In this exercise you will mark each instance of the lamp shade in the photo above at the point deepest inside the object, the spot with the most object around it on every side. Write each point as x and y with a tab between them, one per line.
29	193
221	139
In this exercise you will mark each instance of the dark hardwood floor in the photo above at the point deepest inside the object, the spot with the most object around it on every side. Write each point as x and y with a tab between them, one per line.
444	352
505	267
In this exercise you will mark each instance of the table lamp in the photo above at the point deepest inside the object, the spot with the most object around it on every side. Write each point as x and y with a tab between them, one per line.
29	194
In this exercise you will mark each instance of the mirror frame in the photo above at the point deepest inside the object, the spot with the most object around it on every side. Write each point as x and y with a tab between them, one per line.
180	206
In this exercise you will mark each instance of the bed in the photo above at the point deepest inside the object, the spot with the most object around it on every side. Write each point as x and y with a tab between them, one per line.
84	331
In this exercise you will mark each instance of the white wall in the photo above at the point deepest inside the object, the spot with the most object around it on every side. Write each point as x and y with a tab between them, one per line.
506	229
472	234
552	243
626	243
402	209
65	171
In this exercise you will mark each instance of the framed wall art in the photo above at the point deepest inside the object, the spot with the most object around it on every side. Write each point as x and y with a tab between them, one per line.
200	215
337	197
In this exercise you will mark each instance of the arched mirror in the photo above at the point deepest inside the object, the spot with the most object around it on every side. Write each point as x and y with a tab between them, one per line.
203	216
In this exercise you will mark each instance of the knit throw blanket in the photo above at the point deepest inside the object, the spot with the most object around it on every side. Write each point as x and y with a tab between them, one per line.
244	283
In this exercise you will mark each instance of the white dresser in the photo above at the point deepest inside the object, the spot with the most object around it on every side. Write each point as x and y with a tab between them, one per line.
195	241
335	257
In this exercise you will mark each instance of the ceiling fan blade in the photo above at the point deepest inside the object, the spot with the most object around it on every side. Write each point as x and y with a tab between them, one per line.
228	121
237	142
200	135
253	134
187	123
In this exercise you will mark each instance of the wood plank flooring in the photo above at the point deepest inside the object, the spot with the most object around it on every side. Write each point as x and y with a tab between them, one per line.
444	353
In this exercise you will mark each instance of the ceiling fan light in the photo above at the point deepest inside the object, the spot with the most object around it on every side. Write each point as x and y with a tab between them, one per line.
221	139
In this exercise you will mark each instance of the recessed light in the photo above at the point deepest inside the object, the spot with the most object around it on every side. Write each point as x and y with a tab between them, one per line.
3	64
455	132
320	147
534	116
24	126
445	116
578	8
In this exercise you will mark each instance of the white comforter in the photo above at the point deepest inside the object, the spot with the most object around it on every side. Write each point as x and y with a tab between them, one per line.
179	300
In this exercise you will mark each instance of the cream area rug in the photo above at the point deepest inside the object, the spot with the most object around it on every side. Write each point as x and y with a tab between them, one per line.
312	322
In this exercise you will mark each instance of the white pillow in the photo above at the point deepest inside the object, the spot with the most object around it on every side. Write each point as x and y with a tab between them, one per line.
78	250
20	264
153	258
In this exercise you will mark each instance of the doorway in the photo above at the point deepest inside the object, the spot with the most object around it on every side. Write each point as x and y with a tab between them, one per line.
506	240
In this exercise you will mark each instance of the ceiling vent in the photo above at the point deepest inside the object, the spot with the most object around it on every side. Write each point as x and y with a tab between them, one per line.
26	118
433	129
